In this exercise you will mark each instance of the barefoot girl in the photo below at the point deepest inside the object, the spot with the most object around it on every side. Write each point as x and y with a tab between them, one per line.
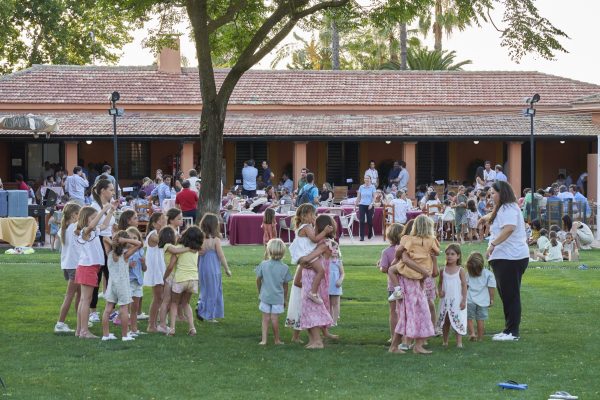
69	257
453	296
155	264
268	225
185	279
118	292
210	303
336	278
272	277
91	260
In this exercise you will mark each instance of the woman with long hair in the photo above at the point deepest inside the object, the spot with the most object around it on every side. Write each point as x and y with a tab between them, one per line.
508	255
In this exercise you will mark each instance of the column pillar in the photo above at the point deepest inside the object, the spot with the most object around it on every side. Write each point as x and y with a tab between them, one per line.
71	155
299	160
409	156
592	179
187	157
515	167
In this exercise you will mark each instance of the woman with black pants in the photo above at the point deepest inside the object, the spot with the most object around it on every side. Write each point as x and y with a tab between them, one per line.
508	255
364	201
103	193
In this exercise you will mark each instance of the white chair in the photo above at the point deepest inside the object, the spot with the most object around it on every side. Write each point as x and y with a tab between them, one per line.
285	208
283	225
347	222
187	222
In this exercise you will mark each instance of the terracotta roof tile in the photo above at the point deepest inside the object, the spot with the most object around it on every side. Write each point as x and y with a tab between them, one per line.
145	85
277	127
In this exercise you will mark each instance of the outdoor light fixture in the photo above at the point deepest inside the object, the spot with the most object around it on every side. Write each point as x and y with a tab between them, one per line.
388	141
562	142
88	142
530	112
36	135
475	141
115	112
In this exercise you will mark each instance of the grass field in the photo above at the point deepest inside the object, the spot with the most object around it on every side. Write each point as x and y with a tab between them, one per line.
559	348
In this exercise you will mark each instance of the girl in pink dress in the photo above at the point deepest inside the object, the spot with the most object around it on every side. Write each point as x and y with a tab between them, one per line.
414	317
314	316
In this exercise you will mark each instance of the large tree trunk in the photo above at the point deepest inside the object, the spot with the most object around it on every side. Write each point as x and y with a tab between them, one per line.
403	46
437	26
335	46
212	123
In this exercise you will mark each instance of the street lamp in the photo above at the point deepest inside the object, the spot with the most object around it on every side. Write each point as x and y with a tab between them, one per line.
531	113
115	112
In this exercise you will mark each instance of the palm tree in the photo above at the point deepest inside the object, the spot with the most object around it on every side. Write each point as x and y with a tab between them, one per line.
434	60
446	16
313	54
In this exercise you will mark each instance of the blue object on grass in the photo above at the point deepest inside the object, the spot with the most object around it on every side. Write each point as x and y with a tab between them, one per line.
513	385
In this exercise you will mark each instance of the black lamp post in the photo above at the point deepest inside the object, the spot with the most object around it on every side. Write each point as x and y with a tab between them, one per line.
115	112
531	113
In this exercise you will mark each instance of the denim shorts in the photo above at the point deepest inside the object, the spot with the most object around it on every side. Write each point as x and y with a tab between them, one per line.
477	313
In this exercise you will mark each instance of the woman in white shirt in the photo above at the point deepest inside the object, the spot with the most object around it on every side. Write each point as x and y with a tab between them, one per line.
508	255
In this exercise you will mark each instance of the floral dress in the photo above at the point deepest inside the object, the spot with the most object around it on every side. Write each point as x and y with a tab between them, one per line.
450	303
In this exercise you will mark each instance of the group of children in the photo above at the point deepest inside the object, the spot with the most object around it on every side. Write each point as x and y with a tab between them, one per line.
554	246
173	264
411	265
169	263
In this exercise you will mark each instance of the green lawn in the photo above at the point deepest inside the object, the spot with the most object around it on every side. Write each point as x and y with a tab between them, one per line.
559	348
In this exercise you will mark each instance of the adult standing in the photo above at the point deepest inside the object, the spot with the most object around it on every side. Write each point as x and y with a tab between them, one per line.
249	174
163	191
76	184
193	178
500	176
106	174
479	179
372	173
303	180
393	175
187	200
364	200
489	175
267	175
508	255
102	193
313	192
403	177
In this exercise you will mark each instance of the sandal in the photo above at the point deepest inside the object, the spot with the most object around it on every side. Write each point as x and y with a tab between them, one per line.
170	332
192	332
563	395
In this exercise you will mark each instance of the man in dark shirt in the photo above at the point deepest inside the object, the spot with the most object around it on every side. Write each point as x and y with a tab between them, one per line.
394	175
266	174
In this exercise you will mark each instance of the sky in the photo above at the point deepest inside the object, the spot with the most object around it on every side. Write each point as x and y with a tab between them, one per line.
577	18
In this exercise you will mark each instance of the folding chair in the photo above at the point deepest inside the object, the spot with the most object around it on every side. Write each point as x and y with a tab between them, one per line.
347	222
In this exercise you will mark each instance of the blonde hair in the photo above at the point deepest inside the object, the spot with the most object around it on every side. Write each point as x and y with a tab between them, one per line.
422	227
394	233
70	209
275	249
303	211
132	230
84	215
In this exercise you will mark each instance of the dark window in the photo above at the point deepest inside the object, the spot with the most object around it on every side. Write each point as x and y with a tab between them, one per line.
342	163
134	160
245	151
432	162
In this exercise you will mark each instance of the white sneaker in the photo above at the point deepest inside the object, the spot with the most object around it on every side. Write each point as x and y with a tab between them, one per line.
61	327
143	316
507	337
127	338
136	333
109	337
94	317
396	295
499	334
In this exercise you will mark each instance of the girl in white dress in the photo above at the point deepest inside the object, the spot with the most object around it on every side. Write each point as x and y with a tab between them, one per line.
453	296
155	263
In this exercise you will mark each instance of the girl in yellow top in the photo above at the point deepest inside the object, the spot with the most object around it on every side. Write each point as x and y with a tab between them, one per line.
185	281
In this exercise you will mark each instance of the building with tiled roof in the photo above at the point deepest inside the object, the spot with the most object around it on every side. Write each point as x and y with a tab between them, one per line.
441	123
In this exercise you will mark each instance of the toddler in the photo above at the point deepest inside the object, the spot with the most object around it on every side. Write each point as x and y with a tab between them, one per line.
481	285
393	234
137	265
53	222
272	277
569	248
